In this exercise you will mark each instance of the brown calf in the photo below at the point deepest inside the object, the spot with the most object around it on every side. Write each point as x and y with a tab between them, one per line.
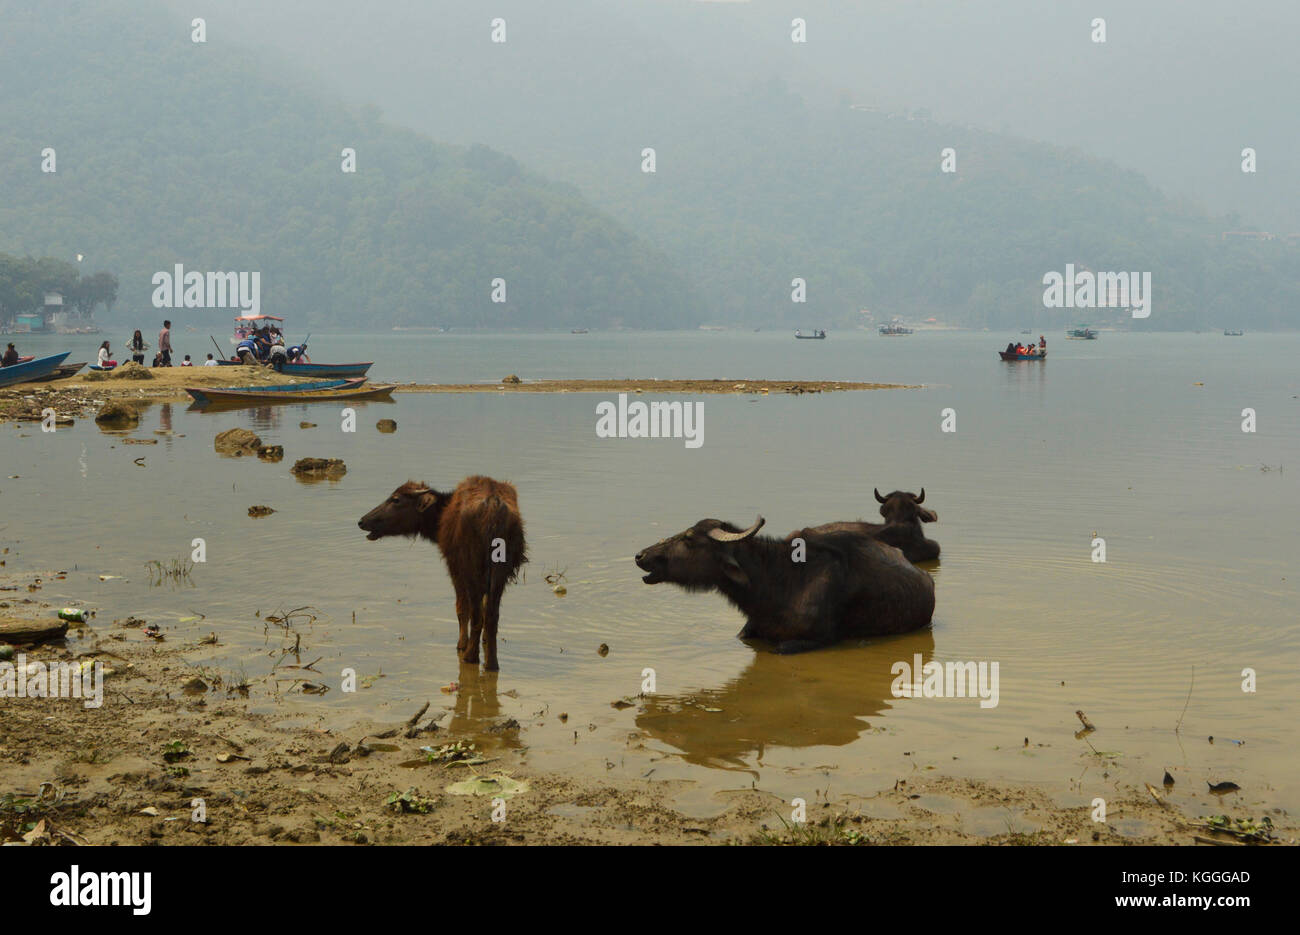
480	533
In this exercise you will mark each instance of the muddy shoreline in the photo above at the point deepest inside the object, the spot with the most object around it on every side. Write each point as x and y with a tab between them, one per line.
76	395
171	736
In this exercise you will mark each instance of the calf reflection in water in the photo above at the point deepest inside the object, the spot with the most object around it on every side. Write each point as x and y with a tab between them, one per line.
829	586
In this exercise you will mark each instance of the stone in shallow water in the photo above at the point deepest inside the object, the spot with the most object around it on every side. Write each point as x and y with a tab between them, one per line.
315	468
236	442
119	413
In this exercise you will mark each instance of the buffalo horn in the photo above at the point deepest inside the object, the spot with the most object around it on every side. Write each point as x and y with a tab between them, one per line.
879	498
921	499
721	535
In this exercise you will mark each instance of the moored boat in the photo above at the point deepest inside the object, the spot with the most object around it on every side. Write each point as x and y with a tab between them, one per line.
61	372
318	391
247	325
30	370
300	369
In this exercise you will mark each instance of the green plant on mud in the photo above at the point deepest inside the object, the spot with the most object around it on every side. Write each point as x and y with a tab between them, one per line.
833	831
410	802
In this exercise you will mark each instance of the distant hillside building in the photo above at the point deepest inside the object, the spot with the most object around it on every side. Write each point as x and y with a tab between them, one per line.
67	321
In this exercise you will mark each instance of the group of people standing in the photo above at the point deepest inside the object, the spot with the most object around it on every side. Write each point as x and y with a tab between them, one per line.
137	346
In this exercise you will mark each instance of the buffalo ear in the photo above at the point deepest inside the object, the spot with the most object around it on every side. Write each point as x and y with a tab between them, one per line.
731	568
426	500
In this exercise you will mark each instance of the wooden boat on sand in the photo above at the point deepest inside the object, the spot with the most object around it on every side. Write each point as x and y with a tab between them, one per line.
62	371
319	391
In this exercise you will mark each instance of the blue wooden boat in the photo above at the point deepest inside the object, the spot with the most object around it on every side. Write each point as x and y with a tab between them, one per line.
318	391
31	370
326	370
207	394
1013	356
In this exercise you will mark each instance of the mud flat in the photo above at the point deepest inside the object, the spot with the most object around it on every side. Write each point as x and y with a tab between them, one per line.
80	393
89	389
761	387
170	732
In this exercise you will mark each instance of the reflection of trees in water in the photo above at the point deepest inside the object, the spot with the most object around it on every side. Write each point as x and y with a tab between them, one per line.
819	698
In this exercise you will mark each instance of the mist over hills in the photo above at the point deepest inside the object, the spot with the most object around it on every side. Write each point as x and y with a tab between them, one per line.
777	160
773	161
173	152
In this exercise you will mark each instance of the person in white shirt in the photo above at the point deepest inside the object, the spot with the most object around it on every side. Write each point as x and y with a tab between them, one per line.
105	360
210	362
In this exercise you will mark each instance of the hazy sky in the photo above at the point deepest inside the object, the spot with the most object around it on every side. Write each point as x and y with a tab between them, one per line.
1178	89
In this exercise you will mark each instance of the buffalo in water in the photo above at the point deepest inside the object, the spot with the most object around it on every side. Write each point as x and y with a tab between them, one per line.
903	515
836	585
480	533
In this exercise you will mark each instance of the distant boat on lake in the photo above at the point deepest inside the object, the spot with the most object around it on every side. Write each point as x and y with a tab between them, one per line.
894	329
817	335
1232	334
1082	333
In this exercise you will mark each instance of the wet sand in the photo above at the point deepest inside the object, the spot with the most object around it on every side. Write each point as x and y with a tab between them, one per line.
77	394
169	733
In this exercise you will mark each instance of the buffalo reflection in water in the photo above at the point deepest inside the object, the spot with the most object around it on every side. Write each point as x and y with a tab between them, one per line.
820	698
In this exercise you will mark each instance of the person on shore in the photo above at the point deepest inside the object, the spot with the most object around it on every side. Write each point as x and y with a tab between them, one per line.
210	362
106	361
11	356
187	362
277	353
137	346
165	344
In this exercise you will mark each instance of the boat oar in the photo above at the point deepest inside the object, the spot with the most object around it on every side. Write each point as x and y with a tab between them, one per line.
220	354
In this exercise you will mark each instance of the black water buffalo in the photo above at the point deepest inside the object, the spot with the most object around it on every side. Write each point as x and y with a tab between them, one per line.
903	515
847	584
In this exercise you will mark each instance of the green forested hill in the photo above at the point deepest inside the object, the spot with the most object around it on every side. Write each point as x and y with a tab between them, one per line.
172	152
764	186
761	180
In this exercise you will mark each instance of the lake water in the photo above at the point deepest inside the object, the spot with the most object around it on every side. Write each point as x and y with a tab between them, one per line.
1134	439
